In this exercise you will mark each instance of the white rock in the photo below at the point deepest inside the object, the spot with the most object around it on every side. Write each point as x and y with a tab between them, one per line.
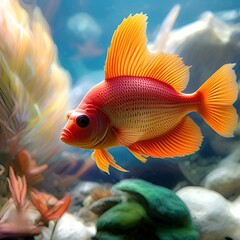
85	187
68	227
225	178
160	41
216	217
205	44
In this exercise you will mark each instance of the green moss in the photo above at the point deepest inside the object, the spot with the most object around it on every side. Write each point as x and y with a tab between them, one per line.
128	236
150	212
161	203
122	217
110	236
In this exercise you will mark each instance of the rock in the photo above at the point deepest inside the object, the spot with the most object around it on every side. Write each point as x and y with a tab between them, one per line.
216	217
102	205
125	221
161	202
176	234
225	178
85	188
195	167
215	172
196	42
206	45
109	236
159	43
68	227
149	212
121	218
86	215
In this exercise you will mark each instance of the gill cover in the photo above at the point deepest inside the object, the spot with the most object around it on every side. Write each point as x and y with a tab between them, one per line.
85	128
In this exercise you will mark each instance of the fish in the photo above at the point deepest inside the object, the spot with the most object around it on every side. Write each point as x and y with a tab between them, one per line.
140	104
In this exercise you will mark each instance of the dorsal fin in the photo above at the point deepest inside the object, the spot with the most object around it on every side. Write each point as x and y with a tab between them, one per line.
127	52
128	55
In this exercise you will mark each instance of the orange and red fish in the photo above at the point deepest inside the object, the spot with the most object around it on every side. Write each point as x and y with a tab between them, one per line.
140	104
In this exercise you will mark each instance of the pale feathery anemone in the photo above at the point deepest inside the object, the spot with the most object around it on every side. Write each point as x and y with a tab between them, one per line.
34	93
33	87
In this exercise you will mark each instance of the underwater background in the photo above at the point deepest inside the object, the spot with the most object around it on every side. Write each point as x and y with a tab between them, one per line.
82	31
52	53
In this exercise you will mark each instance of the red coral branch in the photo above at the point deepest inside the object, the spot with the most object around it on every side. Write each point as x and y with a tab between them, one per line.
18	189
48	209
16	224
29	167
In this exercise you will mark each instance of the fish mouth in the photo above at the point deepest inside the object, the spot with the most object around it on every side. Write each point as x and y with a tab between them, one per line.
66	136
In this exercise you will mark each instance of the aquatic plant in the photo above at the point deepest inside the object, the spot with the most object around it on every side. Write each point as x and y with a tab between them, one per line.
19	209
29	168
49	207
34	88
33	102
33	91
101	199
18	189
101	192
15	210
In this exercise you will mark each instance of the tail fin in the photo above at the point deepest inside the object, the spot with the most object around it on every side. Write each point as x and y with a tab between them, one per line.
218	93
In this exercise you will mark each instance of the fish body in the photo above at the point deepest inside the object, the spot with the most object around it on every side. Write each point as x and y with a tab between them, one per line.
140	104
147	107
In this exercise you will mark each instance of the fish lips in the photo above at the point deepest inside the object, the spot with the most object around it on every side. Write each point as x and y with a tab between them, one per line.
66	136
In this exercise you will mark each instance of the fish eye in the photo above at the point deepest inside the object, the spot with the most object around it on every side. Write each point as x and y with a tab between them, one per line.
82	121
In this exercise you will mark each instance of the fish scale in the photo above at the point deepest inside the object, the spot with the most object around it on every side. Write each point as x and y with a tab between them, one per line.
147	105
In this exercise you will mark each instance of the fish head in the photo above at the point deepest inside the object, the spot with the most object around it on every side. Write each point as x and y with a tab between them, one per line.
85	128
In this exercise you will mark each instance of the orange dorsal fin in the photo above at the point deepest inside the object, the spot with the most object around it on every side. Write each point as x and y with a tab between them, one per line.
104	159
183	140
128	55
128	50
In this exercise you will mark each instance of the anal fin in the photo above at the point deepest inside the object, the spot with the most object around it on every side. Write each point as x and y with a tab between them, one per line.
182	140
104	159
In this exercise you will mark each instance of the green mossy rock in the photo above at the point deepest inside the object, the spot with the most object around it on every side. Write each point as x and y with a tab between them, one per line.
128	236
150	212
163	205
122	217
109	236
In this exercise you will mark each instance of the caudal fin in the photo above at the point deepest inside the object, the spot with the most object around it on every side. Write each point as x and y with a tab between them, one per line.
218	94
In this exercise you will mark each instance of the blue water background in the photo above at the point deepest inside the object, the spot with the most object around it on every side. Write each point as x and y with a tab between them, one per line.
108	14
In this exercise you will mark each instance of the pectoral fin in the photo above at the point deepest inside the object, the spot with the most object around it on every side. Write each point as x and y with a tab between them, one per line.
126	137
104	159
